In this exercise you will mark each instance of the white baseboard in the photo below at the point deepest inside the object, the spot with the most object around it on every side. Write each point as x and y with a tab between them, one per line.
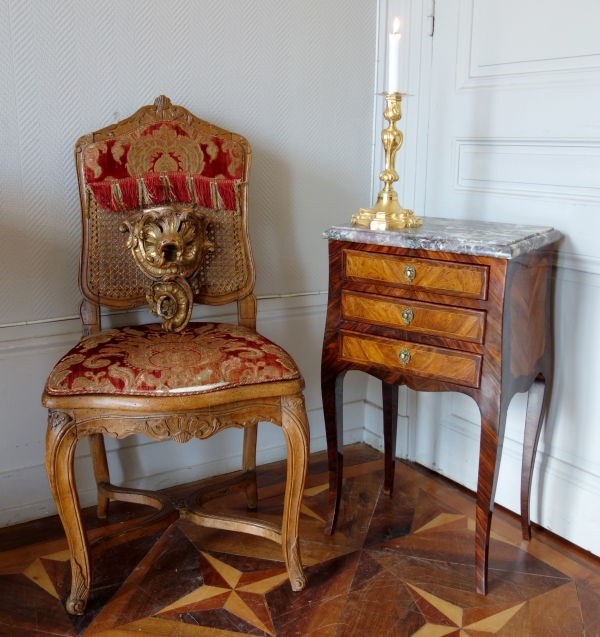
373	433
564	487
555	461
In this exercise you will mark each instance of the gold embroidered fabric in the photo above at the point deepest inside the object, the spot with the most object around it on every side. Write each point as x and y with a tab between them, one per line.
146	361
163	147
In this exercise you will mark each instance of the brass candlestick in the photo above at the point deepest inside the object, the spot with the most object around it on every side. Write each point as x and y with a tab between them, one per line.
387	213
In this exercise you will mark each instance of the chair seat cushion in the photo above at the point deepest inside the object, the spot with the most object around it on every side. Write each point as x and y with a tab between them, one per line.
145	361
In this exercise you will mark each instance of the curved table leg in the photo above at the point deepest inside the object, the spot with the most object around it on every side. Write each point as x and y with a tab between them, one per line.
100	464
250	436
295	427
61	441
537	400
332	391
390	429
493	421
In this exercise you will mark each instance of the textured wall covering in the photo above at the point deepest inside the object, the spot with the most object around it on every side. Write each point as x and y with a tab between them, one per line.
294	77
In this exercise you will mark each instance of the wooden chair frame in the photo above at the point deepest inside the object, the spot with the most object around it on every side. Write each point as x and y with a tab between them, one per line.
182	418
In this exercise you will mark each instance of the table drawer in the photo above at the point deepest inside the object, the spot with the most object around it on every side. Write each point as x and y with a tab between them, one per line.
415	359
443	277
413	316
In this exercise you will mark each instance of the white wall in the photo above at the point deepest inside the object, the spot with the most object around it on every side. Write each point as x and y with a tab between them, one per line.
295	78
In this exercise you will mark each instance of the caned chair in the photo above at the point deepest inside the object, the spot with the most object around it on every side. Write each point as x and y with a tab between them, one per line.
164	211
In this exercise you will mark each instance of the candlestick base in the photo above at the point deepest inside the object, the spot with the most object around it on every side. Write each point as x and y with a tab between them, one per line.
387	213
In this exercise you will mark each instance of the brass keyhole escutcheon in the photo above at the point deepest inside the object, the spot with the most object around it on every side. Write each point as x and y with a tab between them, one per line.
408	315
404	356
410	273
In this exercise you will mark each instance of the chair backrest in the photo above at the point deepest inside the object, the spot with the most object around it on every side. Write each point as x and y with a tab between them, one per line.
162	154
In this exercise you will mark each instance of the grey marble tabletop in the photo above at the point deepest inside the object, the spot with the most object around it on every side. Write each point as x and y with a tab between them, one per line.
459	236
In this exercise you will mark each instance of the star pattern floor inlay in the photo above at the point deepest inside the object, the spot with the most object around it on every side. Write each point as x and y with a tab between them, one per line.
396	567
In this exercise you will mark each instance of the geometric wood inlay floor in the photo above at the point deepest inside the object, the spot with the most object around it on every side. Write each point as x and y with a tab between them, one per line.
396	567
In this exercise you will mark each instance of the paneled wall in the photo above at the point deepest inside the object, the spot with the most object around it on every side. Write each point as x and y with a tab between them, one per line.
505	126
295	78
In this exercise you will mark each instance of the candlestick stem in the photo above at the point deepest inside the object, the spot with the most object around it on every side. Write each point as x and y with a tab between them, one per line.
387	213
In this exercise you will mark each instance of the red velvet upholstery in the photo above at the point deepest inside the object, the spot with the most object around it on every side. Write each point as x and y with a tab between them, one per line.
163	161
146	361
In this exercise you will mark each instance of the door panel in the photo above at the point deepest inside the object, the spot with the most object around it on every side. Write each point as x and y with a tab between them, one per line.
514	126
514	135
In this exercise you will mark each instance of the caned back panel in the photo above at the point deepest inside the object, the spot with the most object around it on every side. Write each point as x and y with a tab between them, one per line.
108	273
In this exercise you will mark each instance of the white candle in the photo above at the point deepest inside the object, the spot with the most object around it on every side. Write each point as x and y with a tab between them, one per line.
394	59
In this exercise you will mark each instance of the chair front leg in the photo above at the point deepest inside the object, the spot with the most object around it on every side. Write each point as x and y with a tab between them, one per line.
295	427
61	440
250	435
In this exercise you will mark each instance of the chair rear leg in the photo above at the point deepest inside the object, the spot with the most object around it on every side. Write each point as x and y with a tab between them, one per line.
249	464
100	464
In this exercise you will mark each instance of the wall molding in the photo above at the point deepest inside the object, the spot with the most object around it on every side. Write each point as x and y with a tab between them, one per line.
578	263
34	346
556	150
23	339
525	74
143	309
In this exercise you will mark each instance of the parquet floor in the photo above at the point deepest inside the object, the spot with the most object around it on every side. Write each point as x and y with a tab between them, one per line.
396	568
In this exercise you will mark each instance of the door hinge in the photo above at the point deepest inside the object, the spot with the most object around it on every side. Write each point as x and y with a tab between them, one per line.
431	18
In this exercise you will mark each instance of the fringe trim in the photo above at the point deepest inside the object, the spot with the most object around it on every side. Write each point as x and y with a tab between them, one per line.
189	182
116	193
203	191
145	197
130	194
179	188
227	194
104	196
154	189
167	187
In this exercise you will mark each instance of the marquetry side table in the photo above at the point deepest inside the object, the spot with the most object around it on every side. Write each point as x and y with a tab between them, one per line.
453	305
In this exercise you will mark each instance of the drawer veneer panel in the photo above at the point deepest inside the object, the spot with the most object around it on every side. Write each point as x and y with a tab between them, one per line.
444	277
428	318
430	362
